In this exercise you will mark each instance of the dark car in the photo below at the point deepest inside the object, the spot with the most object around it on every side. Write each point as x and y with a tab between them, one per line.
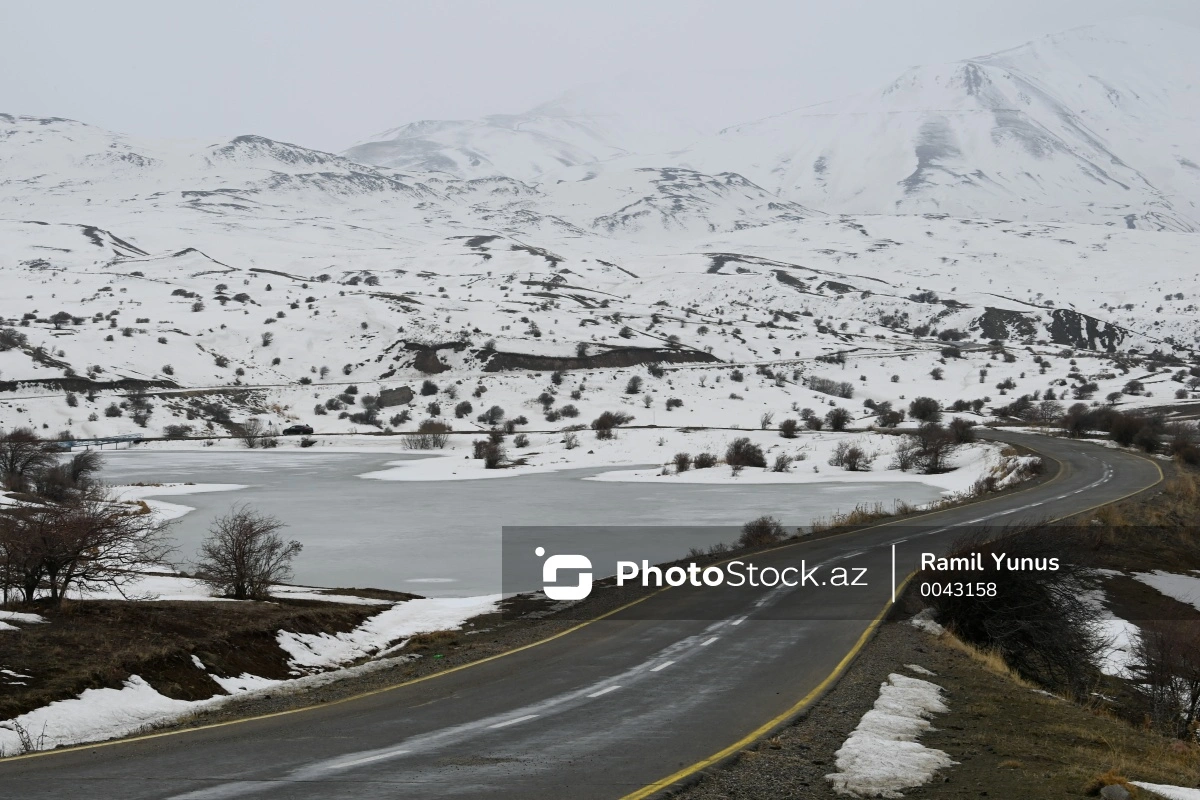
296	430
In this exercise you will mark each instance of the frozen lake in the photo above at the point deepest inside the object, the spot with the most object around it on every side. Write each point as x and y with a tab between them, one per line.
443	538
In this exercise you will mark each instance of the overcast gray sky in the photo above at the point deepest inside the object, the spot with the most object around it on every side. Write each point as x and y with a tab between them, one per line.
326	74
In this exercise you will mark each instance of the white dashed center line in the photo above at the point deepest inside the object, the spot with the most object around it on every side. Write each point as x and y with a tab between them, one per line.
710	641
663	665
512	721
604	691
368	759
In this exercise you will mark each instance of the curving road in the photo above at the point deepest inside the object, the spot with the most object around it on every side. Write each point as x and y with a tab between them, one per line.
620	707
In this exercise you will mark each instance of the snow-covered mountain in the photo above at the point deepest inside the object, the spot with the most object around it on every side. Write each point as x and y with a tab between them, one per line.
1098	124
594	123
257	274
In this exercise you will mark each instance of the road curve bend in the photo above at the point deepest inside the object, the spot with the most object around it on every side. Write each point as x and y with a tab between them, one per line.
621	707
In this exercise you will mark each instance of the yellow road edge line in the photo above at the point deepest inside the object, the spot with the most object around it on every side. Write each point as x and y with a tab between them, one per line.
359	696
756	734
836	673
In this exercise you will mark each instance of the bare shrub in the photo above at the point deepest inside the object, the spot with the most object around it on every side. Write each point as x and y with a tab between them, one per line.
935	445
683	462
761	531
828	386
180	431
244	554
431	435
837	419
925	409
783	463
850	457
492	416
606	424
788	428
491	452
252	432
741	452
962	431
906	455
704	461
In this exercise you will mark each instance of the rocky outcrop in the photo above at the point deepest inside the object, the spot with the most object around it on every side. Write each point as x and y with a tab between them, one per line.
396	396
1073	329
1004	324
494	361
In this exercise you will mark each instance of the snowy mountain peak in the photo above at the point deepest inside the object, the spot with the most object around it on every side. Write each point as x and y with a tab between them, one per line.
252	147
1090	125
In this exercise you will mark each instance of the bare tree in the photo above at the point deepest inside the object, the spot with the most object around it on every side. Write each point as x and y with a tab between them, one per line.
851	457
23	454
244	554
90	542
252	432
21	568
1165	668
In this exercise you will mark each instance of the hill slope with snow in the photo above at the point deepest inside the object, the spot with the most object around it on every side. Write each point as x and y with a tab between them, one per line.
1097	124
252	276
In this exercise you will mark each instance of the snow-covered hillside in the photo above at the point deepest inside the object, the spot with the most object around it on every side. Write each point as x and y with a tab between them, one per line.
1096	124
262	277
590	124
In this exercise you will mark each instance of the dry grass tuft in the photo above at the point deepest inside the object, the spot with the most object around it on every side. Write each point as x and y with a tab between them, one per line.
1110	778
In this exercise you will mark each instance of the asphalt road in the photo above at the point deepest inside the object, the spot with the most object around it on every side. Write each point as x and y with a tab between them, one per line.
612	709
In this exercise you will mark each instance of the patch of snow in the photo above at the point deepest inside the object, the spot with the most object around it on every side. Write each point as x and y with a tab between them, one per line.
1119	634
1184	588
925	621
1169	792
882	755
20	616
917	668
244	683
94	715
323	651
168	511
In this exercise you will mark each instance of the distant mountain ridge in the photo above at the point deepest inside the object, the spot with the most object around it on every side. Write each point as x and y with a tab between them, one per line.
1099	124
